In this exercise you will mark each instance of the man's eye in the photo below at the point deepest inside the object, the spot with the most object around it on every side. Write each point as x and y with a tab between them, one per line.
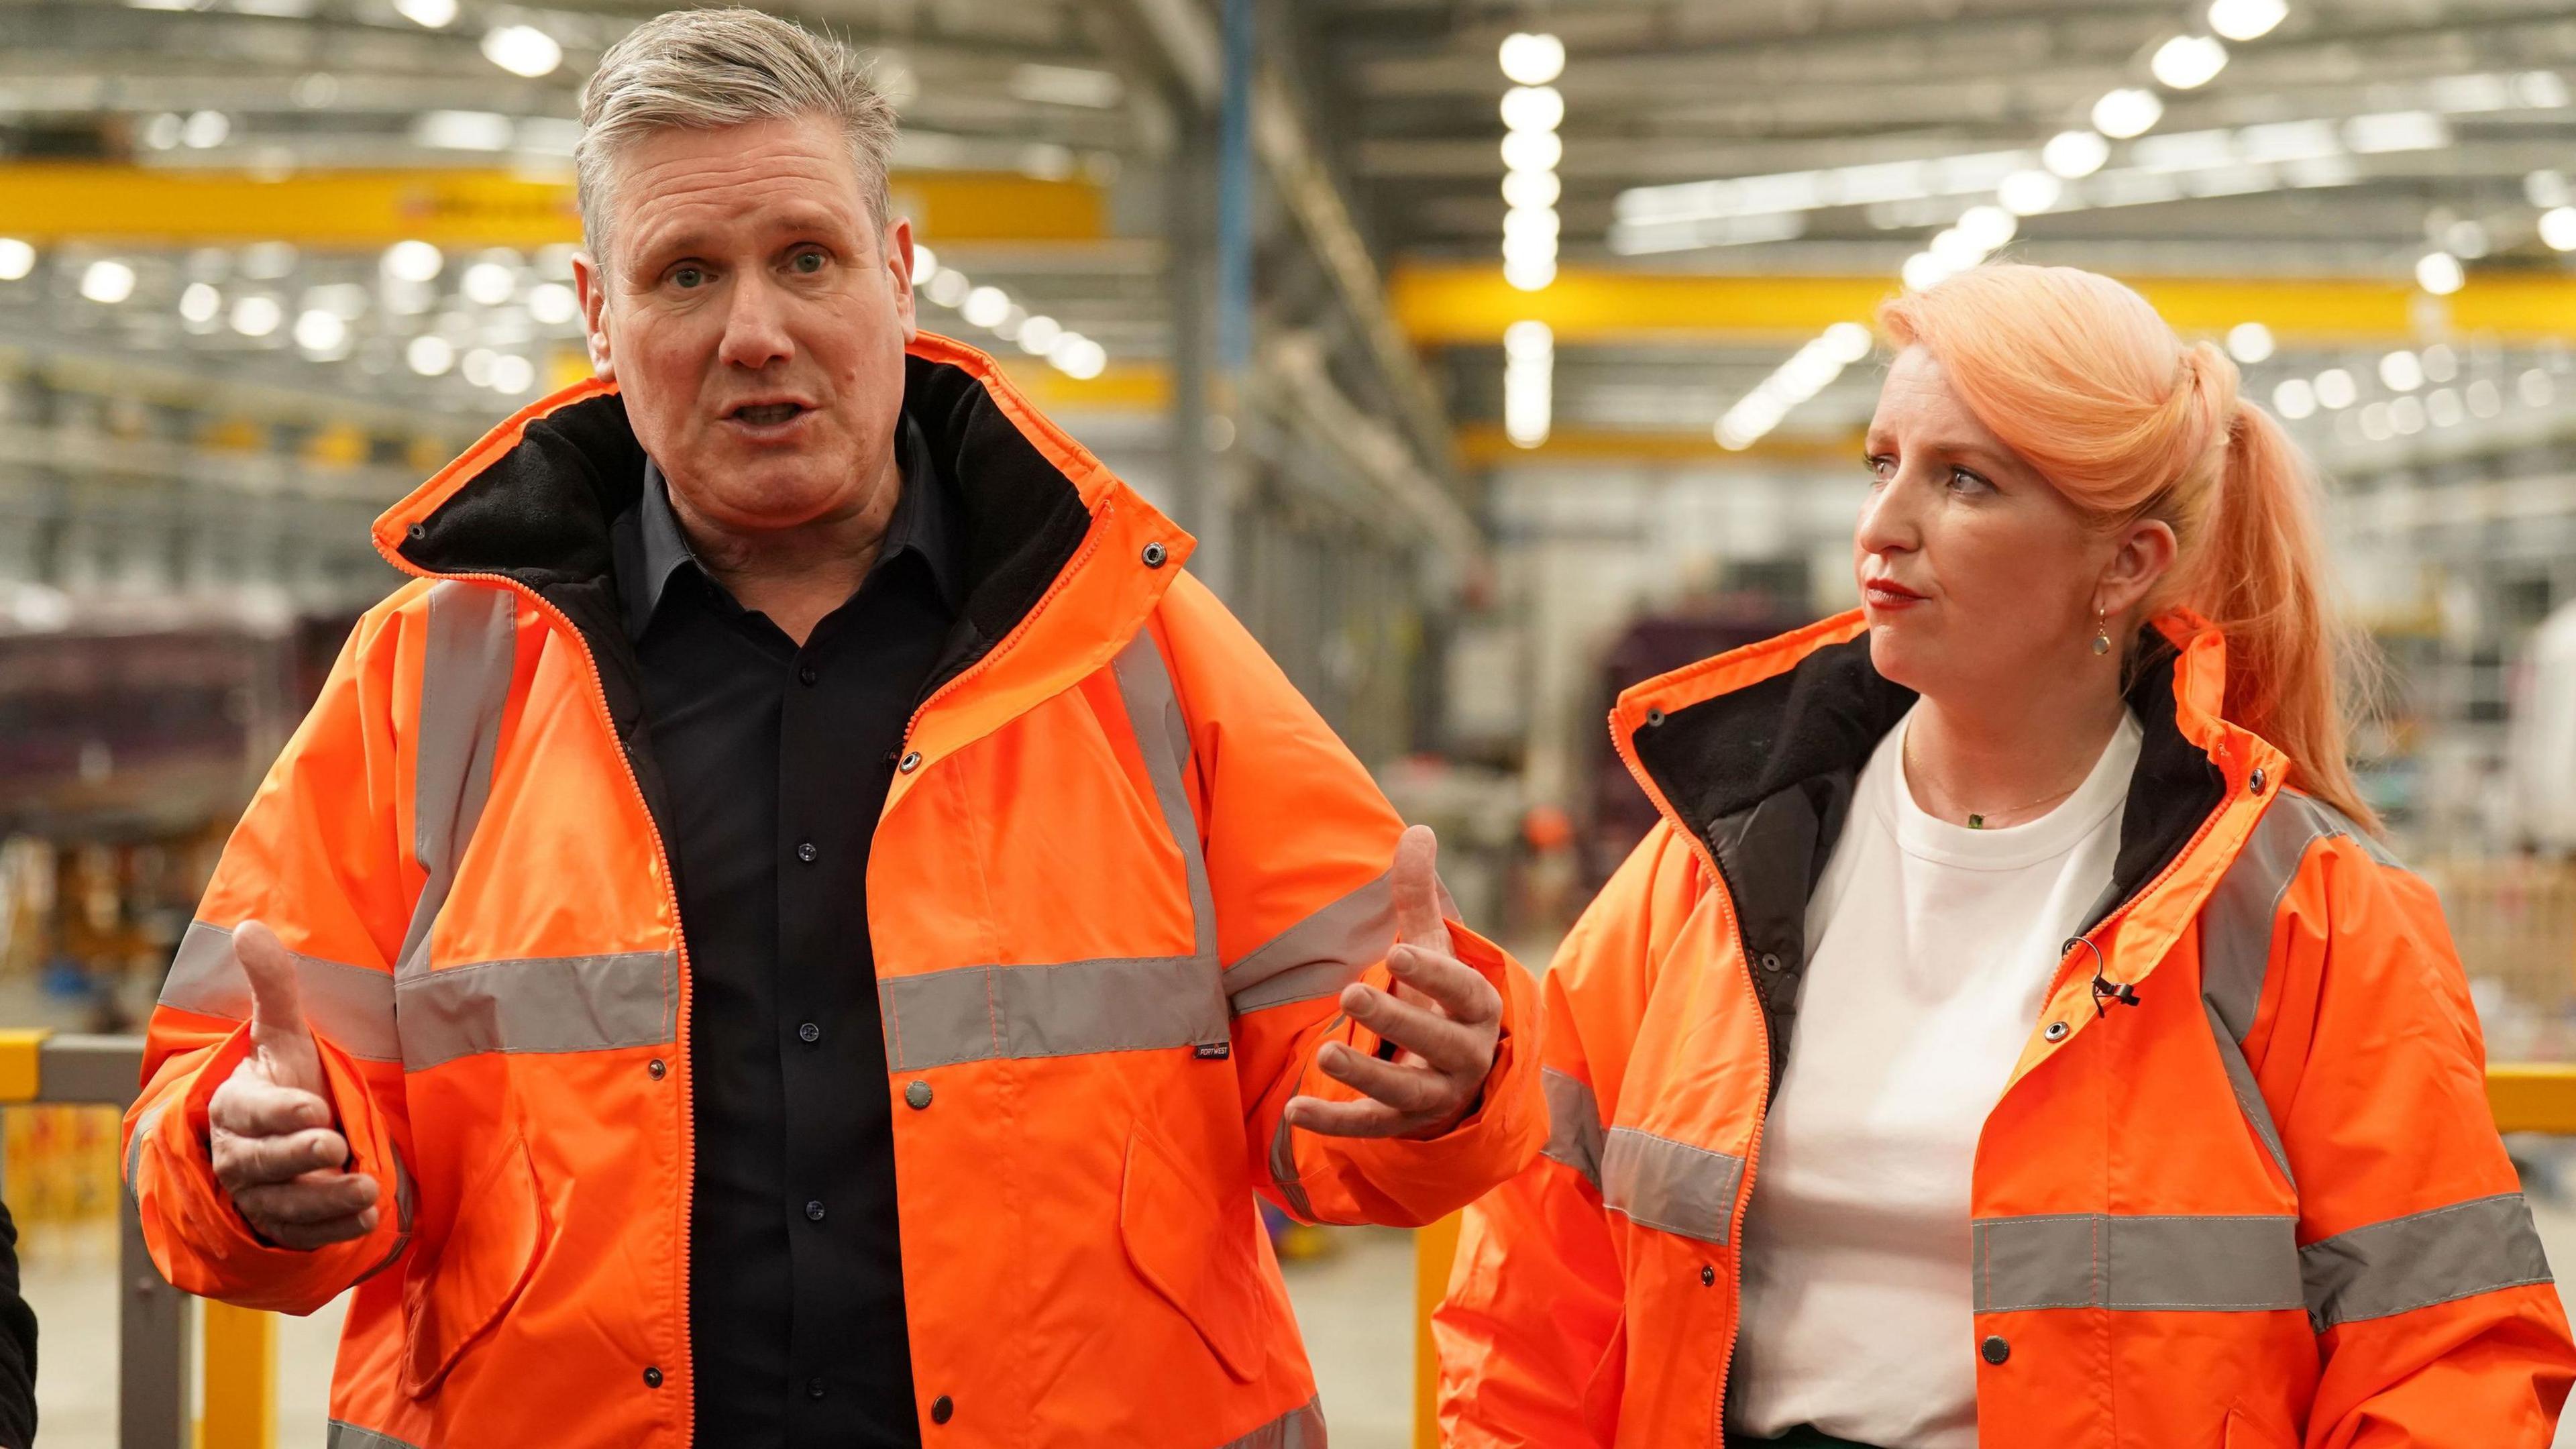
808	262
688	277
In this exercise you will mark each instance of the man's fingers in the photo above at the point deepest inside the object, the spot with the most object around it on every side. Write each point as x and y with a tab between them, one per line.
1458	989
309	1201
1416	884
277	1028
1444	1043
1416	1091
243	1163
250	1105
304	1238
1363	1118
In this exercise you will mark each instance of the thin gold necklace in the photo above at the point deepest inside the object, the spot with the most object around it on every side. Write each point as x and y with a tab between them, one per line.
1976	820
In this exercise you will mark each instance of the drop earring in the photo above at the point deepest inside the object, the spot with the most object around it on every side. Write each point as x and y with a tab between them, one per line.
2101	631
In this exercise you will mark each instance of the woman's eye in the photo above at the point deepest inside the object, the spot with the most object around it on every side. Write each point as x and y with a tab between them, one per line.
1967	482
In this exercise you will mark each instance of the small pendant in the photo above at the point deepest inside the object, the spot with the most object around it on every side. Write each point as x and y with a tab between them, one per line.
1976	822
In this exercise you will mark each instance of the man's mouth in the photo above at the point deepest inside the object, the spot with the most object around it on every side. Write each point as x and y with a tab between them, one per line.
764	415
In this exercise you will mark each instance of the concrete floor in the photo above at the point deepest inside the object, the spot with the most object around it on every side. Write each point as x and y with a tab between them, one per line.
1355	1308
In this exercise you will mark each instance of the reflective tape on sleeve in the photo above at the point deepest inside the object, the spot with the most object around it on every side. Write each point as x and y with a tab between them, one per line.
2421	1259
2143	1263
1656	1182
352	1006
1574	1134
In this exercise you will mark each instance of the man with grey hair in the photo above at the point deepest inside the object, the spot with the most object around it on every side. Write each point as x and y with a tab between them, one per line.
801	924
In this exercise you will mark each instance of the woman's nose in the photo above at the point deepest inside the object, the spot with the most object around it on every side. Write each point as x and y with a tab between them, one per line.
1887	522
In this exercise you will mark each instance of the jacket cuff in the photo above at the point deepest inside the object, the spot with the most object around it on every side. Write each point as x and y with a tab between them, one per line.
206	1247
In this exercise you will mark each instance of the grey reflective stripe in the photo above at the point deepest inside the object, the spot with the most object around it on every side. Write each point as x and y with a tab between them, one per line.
1299	1428
1660	1183
1573	1124
353	1006
350	1436
1319	955
544	1004
464	684
2223	1264
2422	1259
134	1151
2236	926
1163	738
978	1013
1283	1171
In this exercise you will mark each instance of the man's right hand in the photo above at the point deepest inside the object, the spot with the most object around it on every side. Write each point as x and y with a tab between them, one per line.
276	1149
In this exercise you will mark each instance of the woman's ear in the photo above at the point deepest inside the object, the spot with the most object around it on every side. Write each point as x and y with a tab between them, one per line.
2146	551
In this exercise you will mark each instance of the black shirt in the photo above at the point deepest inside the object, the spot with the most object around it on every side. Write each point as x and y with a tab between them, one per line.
776	760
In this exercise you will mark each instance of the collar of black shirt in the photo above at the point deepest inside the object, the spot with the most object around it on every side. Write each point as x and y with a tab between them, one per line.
650	546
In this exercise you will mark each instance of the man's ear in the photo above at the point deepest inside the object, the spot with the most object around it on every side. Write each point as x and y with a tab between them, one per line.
591	286
898	261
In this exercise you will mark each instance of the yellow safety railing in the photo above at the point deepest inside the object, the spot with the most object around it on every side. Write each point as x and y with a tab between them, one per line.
2525	1096
153	1359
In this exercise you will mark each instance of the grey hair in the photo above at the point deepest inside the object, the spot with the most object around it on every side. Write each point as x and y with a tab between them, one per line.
705	69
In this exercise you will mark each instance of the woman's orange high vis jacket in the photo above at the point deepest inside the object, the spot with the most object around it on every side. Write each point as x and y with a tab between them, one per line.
2242	1192
1121	876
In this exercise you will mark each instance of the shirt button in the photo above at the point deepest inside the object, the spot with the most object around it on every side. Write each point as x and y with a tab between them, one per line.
813	1388
1707	1276
807	852
942	1410
809	1032
814	1211
1994	1349
806	674
656	1068
917	1096
652	1378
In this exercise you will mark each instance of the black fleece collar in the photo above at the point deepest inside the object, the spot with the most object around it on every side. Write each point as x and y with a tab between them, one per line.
1764	775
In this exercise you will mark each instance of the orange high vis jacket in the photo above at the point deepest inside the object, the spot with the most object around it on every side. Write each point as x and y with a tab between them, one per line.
1122	874
2242	1191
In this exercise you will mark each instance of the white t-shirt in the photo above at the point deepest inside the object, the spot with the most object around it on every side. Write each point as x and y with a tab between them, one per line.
1931	946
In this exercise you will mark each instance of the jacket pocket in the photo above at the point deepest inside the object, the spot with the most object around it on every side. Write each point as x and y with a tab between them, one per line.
2247	1430
1191	1241
456	1296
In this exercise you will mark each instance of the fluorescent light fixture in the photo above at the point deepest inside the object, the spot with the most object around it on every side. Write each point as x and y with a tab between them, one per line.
2558	228
1530	273
2440	273
986	306
1531	188
2247	19
1078	357
2295	398
200	303
1988	227
257	315
2442	407
2126	112
17	259
2028	193
1531	59
2485	399
2188	62
2401	371
513	374
2249	342
463	130
1038	335
412	261
925	264
489	283
1848	342
2336	390
2406	415
2075	154
1925	270
436	14
205	130
320	331
430	355
553	304
949	287
1533	108
522	50
1529	351
1532	151
477	365
2534	388
107	281
1532	222
2441	364
2396	131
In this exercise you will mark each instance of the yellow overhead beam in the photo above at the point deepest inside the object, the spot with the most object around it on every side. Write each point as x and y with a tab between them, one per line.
1471	304
1485	445
55	202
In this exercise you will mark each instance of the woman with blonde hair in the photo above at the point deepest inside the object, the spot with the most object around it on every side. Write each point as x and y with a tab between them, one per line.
2013	1031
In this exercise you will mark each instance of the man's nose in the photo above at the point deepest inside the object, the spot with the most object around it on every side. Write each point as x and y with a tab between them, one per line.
755	333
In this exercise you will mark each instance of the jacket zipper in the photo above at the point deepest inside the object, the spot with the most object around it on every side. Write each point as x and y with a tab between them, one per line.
671	899
1090	545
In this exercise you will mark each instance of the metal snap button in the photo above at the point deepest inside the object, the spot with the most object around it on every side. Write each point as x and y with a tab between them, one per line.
1155	553
2254	783
942	1410
1654	717
657	1069
1770	961
1994	1349
911	761
917	1096
652	1378
1707	1276
2056	1031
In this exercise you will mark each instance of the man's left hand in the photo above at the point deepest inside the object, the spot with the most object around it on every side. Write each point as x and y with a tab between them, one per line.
1444	1018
